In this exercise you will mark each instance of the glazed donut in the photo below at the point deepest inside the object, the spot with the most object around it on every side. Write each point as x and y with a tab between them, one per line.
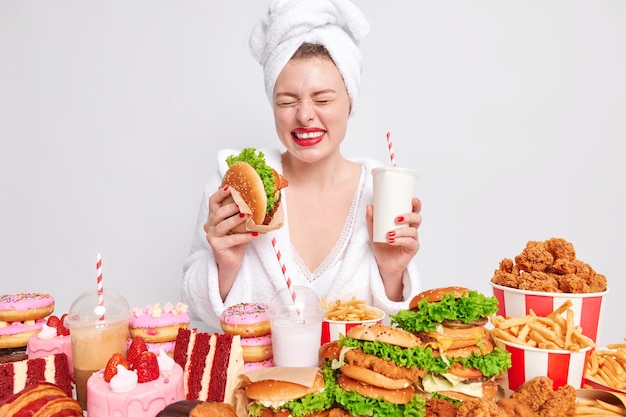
258	348
17	333
245	320
25	306
251	366
156	324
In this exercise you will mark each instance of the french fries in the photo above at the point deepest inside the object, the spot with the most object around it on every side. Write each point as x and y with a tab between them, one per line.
352	310
551	332
597	407
608	366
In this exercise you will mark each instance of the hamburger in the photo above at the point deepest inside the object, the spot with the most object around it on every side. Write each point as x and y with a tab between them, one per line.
374	368
258	183
450	323
275	398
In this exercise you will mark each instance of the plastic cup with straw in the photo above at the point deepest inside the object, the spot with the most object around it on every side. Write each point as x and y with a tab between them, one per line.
96	336
295	314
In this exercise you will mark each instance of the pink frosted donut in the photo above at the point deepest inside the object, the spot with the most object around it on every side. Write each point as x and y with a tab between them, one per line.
257	348
246	320
25	306
16	334
156	324
251	366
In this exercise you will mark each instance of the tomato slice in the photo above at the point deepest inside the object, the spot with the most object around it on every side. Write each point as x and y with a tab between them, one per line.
469	373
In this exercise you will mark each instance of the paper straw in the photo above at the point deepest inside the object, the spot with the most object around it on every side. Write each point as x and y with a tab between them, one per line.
100	287
284	269
392	155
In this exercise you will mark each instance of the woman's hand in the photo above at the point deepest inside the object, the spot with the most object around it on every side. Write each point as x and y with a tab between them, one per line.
228	248
402	244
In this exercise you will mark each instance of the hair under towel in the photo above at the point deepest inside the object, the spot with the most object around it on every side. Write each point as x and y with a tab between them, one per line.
337	24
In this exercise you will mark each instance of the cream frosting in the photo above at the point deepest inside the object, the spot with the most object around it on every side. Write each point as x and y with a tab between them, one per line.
153	315
15	327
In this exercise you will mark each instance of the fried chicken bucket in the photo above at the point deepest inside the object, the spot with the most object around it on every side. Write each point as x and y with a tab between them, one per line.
545	275
588	308
564	367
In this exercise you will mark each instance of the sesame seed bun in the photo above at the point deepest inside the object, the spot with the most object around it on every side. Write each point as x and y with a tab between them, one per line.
436	294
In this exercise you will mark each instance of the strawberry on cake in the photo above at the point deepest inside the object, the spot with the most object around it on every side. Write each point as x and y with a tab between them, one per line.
158	325
54	337
139	385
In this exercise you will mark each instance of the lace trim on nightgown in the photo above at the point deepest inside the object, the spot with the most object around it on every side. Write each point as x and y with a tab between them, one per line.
338	252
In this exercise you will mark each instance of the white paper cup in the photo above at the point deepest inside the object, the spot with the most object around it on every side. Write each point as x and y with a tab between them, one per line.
563	367
331	329
587	307
394	189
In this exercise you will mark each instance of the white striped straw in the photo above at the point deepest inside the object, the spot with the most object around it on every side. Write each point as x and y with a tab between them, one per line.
392	155
100	286
284	270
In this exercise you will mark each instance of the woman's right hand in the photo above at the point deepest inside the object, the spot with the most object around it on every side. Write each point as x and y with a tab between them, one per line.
228	248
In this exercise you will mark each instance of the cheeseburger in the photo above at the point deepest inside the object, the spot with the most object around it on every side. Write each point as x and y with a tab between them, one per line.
375	369
450	322
258	183
274	398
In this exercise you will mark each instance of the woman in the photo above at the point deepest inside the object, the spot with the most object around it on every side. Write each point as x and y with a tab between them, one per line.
312	71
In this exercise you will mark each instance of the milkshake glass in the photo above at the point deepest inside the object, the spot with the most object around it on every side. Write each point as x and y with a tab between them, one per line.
97	332
296	327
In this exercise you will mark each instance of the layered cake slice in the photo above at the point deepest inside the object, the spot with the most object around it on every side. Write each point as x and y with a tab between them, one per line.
212	364
15	376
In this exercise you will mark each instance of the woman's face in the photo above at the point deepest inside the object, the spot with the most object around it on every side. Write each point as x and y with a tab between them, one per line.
311	108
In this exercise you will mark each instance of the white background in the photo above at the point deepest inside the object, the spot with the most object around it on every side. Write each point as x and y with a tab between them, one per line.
111	113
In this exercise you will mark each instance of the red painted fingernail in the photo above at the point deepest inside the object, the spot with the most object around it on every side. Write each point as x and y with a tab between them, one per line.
226	188
391	240
391	233
242	215
399	219
255	234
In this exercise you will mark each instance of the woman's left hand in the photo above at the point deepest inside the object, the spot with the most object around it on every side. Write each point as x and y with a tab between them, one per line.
402	244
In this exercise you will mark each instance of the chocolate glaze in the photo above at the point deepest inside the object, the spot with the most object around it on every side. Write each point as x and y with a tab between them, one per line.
13	354
178	409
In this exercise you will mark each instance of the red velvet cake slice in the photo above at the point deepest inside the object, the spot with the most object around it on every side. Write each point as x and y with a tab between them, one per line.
212	365
15	376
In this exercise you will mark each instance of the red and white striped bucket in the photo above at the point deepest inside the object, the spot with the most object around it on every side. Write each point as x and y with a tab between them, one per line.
518	303
331	329
563	367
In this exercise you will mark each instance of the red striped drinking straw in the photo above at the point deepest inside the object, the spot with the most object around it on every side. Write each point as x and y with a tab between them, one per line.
392	155
284	270
100	286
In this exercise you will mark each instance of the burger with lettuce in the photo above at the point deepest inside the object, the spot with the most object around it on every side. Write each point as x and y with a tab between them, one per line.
450	323
258	183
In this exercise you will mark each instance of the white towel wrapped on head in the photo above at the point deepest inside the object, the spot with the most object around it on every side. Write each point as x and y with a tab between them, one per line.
337	24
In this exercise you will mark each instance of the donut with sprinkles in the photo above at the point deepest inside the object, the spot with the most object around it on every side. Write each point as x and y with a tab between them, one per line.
25	306
246	320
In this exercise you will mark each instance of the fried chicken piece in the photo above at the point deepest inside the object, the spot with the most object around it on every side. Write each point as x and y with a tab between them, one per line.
560	249
597	283
516	408
563	399
534	392
478	407
507	265
538	281
505	279
382	366
573	284
436	407
563	267
534	257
